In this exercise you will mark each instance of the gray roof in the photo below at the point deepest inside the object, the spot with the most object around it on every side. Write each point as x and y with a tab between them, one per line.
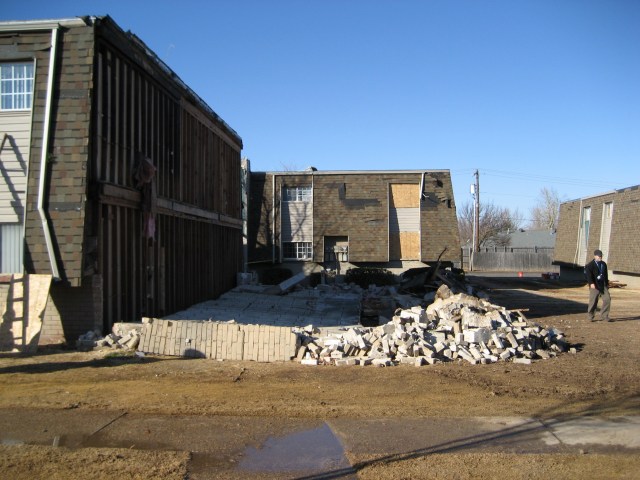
533	238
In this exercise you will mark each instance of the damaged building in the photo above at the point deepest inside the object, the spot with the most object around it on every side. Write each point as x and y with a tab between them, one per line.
351	217
607	221
117	179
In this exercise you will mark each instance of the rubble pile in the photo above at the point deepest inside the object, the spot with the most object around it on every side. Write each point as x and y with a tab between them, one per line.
128	340
454	327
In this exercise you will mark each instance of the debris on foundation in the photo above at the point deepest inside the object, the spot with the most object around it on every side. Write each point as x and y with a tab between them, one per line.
124	336
455	327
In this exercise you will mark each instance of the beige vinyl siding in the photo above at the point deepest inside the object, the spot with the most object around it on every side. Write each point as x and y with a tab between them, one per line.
15	136
297	221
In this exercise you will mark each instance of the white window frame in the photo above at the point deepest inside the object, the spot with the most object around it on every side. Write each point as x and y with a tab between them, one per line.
16	92
301	250
297	194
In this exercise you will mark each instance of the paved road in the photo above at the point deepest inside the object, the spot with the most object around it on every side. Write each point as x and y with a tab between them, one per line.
314	448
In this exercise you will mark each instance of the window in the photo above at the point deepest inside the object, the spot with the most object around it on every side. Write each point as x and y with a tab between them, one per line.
297	194
297	250
16	86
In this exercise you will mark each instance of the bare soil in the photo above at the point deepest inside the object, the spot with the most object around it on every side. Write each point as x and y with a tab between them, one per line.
602	379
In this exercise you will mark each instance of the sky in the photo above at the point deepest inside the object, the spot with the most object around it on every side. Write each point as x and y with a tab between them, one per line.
532	94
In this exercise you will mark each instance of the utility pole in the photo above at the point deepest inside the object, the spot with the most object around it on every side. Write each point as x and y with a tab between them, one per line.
476	243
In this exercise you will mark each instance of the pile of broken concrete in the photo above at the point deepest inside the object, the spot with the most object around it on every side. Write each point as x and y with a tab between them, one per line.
454	327
123	336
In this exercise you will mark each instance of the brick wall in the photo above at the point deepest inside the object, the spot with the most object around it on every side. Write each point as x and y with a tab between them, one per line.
81	308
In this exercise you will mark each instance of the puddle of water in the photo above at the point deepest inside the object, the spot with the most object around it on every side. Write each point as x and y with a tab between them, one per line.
309	452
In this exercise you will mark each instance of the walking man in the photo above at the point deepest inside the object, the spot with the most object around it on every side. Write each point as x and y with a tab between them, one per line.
598	280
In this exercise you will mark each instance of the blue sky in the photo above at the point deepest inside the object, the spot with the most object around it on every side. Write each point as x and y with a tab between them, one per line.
532	93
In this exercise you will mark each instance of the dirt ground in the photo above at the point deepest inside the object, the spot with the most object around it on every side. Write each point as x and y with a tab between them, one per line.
601	379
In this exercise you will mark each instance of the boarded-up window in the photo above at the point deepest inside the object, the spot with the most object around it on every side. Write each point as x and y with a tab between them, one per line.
404	222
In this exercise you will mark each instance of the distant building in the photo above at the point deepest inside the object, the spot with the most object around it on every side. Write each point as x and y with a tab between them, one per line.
607	221
117	179
352	216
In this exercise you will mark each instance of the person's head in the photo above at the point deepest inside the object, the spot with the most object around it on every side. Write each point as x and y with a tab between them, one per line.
597	255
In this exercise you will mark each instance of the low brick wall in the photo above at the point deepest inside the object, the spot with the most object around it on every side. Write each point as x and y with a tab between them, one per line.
219	341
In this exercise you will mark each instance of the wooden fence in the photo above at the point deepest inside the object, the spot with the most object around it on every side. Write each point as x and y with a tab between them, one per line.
509	259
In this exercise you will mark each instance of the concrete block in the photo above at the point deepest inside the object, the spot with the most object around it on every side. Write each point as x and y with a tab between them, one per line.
512	339
475	352
506	355
477	335
524	361
439	347
543	354
345	362
381	362
302	351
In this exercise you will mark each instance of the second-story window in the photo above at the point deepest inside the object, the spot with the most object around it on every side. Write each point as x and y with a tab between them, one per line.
297	194
16	85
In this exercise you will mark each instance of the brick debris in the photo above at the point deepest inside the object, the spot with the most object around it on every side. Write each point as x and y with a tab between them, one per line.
454	327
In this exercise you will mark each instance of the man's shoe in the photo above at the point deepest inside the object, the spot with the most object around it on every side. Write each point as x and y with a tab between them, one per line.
608	320
593	320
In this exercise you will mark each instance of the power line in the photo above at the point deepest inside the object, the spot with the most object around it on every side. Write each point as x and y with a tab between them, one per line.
550	179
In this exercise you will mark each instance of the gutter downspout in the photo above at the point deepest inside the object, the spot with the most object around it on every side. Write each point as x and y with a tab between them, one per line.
44	157
575	256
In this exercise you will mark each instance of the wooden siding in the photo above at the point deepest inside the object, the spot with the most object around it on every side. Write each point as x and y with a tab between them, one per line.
404	195
141	115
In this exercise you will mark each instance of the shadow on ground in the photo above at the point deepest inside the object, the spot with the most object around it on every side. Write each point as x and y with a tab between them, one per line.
540	422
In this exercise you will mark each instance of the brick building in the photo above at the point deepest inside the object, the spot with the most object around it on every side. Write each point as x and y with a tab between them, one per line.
608	221
352	216
117	178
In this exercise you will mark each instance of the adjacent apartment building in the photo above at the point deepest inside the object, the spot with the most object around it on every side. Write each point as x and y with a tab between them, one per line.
352	216
117	179
607	221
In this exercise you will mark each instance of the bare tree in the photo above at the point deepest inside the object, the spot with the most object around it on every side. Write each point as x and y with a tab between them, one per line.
545	213
289	167
495	223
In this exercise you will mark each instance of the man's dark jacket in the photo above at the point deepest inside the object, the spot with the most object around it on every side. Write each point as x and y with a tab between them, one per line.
592	271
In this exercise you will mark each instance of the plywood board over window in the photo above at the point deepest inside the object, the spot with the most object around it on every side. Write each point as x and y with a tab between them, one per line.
404	221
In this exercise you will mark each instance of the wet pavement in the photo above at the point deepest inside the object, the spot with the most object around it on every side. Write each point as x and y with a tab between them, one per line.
274	447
